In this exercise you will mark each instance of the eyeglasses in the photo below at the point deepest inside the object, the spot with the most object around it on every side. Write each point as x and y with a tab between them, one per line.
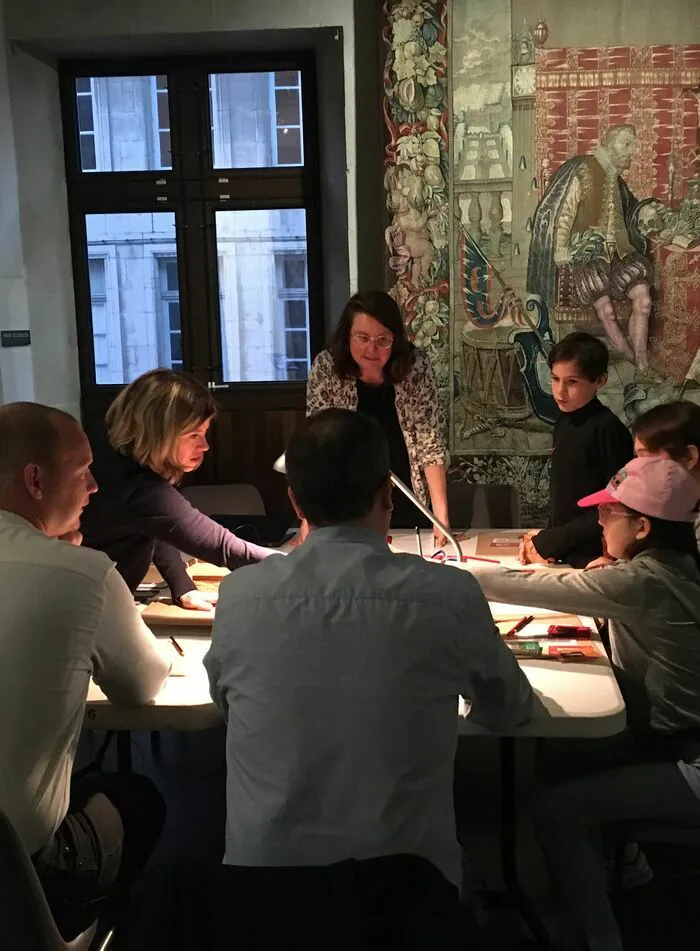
383	341
606	514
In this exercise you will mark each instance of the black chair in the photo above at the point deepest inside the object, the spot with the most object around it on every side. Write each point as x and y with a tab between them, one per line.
482	506
26	921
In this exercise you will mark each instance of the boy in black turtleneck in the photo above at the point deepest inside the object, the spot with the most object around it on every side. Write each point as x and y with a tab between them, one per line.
590	445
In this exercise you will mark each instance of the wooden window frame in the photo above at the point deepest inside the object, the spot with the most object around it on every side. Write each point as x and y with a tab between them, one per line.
194	191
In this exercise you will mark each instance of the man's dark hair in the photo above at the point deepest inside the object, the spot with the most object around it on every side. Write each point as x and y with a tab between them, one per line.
671	428
588	352
336	461
382	307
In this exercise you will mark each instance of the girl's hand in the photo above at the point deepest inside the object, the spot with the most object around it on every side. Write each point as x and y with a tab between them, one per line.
601	562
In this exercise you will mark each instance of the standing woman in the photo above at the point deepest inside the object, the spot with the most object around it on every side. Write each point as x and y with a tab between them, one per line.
156	432
370	366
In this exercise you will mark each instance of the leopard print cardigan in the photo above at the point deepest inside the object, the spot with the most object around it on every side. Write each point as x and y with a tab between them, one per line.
418	406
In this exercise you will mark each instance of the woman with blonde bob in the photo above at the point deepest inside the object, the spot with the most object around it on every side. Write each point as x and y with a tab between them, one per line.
156	432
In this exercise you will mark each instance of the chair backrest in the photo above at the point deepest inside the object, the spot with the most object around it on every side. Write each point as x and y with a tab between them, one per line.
26	921
482	506
235	499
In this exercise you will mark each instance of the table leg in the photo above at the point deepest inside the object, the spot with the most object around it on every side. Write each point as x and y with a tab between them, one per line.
124	751
509	843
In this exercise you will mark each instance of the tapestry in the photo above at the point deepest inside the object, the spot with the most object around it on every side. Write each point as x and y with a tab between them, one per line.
533	191
416	174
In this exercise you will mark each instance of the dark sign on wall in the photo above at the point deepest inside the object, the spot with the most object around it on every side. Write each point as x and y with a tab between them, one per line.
15	338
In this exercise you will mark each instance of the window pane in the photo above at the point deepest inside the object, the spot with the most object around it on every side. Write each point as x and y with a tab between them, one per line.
161	82
87	152
163	111
294	271
288	147
126	113
85	120
174	315
171	276
244	120
287	101
295	314
288	78
96	268
176	347
251	248
131	314
297	370
166	158
296	344
82	84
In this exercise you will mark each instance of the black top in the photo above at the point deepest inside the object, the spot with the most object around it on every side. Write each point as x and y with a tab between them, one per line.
590	446
136	518
380	403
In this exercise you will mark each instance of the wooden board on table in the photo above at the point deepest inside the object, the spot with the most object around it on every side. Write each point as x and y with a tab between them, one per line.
203	571
153	576
498	544
165	613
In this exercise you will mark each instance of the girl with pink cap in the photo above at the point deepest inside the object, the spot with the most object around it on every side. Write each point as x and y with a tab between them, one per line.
651	595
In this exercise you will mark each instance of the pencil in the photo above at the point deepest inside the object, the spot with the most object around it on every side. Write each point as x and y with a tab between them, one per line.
522	623
491	561
177	646
419	543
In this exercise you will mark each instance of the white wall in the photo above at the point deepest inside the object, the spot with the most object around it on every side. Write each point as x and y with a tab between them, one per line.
15	365
54	24
44	232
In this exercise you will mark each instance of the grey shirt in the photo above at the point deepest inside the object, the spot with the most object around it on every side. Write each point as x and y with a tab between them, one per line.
653	603
339	670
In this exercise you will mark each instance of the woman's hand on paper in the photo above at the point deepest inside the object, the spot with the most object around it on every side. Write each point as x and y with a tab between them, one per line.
199	600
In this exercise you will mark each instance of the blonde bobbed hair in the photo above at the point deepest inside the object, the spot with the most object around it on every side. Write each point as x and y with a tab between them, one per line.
150	415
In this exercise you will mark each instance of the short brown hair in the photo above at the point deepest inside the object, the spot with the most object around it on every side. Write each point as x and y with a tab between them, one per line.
383	308
588	353
30	433
149	416
670	427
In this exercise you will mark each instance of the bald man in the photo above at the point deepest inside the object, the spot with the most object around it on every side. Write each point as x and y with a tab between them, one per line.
67	616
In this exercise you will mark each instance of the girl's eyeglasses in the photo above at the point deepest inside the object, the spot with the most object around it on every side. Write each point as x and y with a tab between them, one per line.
606	514
383	341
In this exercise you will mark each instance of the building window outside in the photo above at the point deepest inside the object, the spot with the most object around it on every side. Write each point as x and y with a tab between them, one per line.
100	324
293	296
162	122
250	312
288	141
86	123
169	300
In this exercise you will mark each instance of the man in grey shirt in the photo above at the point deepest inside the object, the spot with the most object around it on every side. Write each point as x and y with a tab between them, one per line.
338	670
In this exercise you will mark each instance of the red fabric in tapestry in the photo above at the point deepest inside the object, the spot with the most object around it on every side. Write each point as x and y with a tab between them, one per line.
581	93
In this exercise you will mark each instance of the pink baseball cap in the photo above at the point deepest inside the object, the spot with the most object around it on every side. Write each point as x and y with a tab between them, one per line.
654	486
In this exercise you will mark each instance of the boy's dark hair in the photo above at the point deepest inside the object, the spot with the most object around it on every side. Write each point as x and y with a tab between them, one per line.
671	428
382	307
588	352
336	461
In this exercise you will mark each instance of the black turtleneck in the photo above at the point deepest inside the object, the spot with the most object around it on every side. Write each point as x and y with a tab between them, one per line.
589	447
